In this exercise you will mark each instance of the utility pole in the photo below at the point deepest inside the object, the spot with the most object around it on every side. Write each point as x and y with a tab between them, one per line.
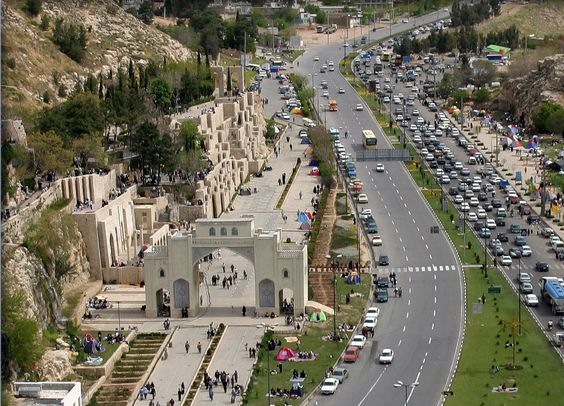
244	59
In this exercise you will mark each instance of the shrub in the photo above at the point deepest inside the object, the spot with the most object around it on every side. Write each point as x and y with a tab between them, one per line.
11	63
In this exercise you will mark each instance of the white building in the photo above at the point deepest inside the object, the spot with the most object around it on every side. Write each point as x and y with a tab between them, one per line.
48	393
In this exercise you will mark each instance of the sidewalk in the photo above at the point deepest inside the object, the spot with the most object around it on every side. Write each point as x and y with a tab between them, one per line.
231	356
179	366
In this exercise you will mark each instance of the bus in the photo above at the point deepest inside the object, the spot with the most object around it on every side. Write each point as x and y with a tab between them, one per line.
369	139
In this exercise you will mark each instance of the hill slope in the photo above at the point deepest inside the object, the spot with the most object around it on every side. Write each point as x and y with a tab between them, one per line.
32	64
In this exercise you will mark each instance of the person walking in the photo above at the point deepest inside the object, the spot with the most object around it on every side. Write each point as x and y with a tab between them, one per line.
187	346
300	195
199	347
244	311
210	392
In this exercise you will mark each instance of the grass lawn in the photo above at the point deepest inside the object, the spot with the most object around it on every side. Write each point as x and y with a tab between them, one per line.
539	371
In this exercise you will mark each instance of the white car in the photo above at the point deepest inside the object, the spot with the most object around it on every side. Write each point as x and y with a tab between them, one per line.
341	90
380	168
370	322
359	107
358	341
464	207
386	356
506	260
482	213
490	223
325	94
415	112
329	386
362	198
458	199
376	241
373	312
526	251
333	131
365	213
316	58
471	217
531	300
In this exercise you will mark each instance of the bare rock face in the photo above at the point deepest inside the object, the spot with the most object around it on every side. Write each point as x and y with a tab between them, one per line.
44	279
525	95
54	365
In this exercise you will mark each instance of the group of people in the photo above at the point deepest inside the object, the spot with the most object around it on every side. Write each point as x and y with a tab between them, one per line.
98	303
148	389
225	379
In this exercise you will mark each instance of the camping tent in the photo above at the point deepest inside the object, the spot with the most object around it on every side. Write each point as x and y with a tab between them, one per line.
305	140
306	225
314	171
318	315
284	354
303	217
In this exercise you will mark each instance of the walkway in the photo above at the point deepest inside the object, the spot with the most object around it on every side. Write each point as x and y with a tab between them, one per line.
231	356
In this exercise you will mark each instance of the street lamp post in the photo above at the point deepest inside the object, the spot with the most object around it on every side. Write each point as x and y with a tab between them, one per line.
119	319
485	249
339	256
406	386
519	298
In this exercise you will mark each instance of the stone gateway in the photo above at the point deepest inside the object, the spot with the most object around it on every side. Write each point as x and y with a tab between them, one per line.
173	277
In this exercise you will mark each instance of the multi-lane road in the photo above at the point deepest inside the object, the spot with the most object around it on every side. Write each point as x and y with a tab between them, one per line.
424	326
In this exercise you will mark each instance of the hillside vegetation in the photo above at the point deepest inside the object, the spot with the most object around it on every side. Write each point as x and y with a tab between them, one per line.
33	65
534	18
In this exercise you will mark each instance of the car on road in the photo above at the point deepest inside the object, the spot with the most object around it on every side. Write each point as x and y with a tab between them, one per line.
485	233
531	300
341	90
542	266
524	277
365	214
515	252
325	94
340	373
471	216
526	287
383	260
351	354
386	356
502	237
358	341
373	312
377	241
520	241
316	58
283	115
561	322
380	168
415	112
506	260
359	107
362	198
329	386
370	323
381	295
526	251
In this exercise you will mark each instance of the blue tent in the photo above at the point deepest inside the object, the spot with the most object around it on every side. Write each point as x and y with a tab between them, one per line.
303	217
313	162
305	140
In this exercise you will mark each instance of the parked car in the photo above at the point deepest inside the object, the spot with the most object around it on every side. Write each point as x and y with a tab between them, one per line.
329	386
340	373
531	300
383	260
351	354
376	241
359	340
526	287
373	312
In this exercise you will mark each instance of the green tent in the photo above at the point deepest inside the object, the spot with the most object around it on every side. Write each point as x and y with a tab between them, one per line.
498	49
317	316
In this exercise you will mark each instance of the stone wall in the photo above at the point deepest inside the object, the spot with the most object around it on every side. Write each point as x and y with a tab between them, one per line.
123	275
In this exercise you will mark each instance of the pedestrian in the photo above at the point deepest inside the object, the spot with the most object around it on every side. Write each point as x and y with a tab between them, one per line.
280	367
287	138
395	292
290	147
210	392
199	347
244	310
223	266
236	374
232	381
232	268
183	388
300	195
187	346
179	394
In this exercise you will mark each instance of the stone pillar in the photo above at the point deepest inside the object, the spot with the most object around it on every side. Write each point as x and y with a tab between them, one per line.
219	82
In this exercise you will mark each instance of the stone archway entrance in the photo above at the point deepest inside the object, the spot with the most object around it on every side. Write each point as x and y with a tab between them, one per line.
163	303
279	266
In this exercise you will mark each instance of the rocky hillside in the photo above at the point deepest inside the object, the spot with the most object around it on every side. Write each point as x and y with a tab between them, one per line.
524	95
32	64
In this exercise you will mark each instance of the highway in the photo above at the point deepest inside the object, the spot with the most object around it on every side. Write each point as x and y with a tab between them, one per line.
424	326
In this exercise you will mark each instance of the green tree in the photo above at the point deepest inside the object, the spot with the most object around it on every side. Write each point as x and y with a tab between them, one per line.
45	21
540	117
46	97
71	39
33	7
482	95
161	93
229	85
89	149
190	136
555	122
460	95
155	150
20	332
49	152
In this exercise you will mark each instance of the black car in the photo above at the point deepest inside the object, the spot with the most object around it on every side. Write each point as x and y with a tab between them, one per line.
453	190
482	196
496	203
532	219
433	165
502	237
383	260
487	207
478	226
541	267
383	282
500	222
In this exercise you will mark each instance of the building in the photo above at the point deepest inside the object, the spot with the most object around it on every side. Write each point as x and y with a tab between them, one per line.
48	393
173	280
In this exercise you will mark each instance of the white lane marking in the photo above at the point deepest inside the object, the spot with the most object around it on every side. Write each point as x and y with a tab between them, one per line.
397	230
435	299
433	326
426	246
399	343
406	259
412	219
407	315
430	257
418	229
409	212
391	220
403	248
409	302
400	240
401	197
429	340
403	329
434	313
372	387
423	238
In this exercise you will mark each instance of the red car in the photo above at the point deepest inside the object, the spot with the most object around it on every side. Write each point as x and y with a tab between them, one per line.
351	354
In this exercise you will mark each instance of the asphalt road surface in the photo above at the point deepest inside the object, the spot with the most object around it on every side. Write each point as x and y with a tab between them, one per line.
424	326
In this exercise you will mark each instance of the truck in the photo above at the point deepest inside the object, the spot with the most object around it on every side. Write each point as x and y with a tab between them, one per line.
552	291
332	105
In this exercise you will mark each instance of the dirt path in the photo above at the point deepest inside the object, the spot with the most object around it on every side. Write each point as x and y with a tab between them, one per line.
323	244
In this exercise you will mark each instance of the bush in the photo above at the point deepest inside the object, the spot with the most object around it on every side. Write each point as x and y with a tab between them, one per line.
33	7
11	63
46	97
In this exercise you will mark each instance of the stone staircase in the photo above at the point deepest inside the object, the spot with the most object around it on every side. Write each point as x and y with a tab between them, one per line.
321	284
323	243
127	372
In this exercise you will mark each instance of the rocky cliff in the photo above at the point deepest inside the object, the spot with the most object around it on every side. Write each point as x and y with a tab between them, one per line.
32	63
50	267
524	95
